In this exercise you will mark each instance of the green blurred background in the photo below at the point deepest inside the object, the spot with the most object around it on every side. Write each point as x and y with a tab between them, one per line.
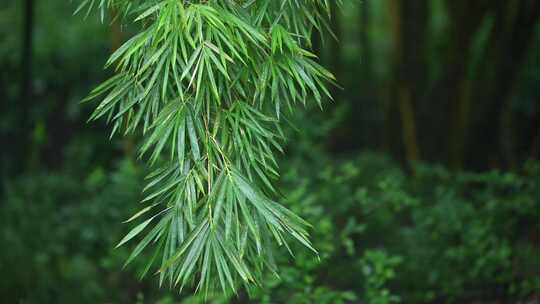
422	178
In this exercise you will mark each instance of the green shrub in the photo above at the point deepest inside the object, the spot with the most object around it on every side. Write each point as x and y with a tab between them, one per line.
378	269
461	236
59	229
382	235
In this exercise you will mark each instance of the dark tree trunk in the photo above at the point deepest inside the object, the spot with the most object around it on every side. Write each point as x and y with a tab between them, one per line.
365	45
409	29
27	54
509	41
25	94
336	64
365	103
451	93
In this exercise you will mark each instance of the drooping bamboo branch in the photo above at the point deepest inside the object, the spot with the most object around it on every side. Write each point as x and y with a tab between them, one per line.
207	82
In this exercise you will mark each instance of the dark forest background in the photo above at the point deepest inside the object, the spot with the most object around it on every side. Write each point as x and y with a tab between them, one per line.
422	178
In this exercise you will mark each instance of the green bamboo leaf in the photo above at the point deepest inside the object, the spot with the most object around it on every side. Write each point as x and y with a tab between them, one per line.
134	232
147	239
194	141
149	11
141	212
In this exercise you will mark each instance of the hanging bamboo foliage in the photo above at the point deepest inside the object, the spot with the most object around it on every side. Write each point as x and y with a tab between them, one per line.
207	83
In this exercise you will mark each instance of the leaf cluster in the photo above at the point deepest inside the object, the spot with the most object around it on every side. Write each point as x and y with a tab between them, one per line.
206	82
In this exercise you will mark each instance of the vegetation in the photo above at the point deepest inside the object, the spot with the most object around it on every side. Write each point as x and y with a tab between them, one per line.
421	179
199	79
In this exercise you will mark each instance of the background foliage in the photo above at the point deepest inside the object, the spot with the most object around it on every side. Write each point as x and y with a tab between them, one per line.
422	179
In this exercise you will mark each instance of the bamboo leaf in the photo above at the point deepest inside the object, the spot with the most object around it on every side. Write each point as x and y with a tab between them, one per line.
134	232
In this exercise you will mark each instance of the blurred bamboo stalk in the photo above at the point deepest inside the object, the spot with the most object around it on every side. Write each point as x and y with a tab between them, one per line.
116	41
408	36
27	55
31	155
